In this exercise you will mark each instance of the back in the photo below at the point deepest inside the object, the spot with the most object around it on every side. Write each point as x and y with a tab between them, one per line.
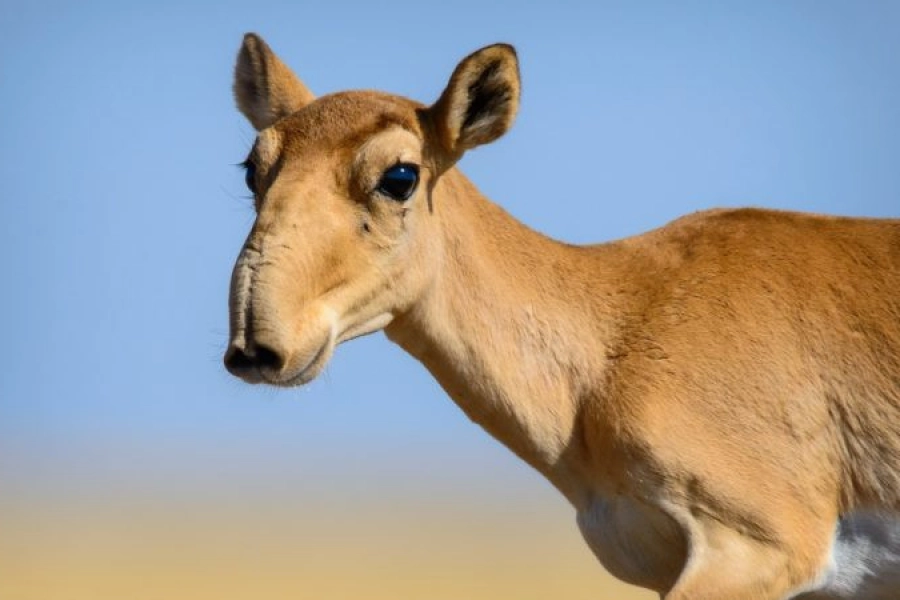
751	318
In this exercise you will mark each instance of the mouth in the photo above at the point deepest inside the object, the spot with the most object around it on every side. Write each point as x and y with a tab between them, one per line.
254	361
320	359
306	372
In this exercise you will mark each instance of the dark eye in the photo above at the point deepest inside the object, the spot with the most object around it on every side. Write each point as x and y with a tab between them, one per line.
399	182
250	175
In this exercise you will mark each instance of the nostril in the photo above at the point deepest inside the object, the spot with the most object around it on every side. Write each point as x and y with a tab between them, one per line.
266	357
241	363
236	361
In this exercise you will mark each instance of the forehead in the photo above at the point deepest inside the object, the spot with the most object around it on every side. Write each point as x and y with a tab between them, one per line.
345	121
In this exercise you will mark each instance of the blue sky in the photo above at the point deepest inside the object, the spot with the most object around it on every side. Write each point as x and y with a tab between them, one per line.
123	210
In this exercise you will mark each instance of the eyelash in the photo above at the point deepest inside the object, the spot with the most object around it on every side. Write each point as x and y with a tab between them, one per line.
250	175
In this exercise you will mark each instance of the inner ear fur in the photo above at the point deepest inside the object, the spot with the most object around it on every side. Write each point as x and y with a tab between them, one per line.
264	87
480	102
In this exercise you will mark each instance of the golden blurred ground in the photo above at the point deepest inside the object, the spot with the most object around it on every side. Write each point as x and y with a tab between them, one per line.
225	550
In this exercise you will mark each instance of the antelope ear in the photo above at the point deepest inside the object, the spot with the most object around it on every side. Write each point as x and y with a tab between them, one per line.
480	101
264	87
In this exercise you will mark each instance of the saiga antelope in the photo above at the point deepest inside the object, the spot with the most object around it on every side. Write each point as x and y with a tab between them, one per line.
719	399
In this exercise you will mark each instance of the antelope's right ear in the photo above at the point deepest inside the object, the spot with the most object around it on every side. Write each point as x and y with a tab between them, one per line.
264	87
480	101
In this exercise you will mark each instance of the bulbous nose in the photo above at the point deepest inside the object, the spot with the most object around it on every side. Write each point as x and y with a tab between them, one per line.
251	360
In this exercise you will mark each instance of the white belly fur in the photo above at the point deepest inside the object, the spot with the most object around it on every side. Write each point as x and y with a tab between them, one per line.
864	562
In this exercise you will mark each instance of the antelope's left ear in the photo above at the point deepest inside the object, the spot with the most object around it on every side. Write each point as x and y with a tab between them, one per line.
480	101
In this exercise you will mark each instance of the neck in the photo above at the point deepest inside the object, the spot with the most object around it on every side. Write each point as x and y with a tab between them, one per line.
508	329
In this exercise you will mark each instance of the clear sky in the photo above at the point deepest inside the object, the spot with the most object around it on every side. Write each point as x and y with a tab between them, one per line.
122	211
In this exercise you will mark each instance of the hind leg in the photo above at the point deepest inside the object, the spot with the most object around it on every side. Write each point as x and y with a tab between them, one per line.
727	564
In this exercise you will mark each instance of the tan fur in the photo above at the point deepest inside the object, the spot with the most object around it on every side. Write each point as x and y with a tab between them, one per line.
733	377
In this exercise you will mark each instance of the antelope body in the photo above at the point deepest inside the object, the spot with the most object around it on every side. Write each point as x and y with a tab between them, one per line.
719	399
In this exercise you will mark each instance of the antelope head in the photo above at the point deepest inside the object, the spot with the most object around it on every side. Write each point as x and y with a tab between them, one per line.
345	238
